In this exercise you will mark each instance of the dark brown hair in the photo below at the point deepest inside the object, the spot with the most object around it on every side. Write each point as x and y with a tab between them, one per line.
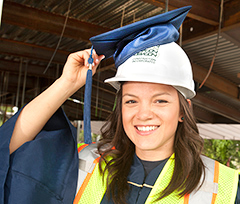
187	147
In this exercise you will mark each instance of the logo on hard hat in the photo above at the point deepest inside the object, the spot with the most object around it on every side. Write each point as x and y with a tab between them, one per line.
150	54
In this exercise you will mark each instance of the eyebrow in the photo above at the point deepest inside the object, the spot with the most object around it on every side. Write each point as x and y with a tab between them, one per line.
128	95
155	95
160	94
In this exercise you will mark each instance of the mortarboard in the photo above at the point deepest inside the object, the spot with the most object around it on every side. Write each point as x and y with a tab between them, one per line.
122	43
126	41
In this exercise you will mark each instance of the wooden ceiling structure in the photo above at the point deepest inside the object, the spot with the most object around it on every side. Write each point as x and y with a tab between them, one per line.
31	31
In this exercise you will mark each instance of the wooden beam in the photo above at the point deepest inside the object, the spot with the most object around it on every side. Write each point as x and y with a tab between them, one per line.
27	50
33	70
194	30
30	51
35	52
215	107
231	13
13	82
203	115
35	19
206	116
205	11
215	82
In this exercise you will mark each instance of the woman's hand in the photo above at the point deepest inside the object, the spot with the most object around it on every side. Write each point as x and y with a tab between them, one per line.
35	114
76	67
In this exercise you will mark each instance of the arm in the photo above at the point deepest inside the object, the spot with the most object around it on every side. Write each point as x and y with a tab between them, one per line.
35	115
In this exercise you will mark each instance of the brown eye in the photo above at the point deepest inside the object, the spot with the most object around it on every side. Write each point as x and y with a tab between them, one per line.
130	101
161	101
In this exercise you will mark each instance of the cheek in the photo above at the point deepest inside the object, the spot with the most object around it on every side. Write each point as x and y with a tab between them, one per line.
170	114
127	117
124	118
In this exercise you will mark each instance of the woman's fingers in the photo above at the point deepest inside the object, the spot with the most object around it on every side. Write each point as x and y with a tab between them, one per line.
75	69
82	57
79	58
96	59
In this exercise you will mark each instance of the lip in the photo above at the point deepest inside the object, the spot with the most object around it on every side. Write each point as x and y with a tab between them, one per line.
146	129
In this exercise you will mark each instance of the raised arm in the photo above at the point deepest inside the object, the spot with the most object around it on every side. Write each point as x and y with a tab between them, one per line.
35	115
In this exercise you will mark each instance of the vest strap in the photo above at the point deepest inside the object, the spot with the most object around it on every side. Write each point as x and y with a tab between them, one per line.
82	193
209	187
86	165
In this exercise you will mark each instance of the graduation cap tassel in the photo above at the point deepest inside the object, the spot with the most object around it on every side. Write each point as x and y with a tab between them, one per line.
87	103
96	110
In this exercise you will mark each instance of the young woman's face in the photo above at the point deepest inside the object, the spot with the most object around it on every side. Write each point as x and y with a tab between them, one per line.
150	114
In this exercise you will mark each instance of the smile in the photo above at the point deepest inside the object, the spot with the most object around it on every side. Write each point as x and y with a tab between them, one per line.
146	128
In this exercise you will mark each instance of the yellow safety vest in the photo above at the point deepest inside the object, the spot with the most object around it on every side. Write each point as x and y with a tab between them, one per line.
219	187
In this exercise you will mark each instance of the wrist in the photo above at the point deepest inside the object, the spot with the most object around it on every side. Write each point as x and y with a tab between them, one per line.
66	87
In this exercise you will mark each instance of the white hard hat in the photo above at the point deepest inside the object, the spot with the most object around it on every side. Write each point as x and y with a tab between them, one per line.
165	64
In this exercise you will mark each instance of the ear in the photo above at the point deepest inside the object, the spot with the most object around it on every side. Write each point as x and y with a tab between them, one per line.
181	118
189	103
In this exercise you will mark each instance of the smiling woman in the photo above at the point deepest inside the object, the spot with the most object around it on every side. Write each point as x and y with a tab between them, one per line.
150	151
150	120
147	122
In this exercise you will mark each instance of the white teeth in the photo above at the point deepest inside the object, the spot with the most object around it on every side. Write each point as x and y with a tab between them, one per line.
146	128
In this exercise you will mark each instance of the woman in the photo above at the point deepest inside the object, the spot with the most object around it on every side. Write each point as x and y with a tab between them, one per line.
150	151
151	148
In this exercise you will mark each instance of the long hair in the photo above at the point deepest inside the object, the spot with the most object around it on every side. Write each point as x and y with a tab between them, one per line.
115	143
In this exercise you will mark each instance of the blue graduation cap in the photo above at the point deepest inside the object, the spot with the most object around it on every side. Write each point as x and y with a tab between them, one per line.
124	42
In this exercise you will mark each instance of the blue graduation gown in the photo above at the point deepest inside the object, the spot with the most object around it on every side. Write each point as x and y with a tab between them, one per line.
43	170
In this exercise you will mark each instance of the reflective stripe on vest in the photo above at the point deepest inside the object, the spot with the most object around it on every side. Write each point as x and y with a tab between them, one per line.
208	191
90	185
220	185
227	185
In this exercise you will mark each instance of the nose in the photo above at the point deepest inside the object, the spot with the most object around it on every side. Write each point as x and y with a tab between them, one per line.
145	112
